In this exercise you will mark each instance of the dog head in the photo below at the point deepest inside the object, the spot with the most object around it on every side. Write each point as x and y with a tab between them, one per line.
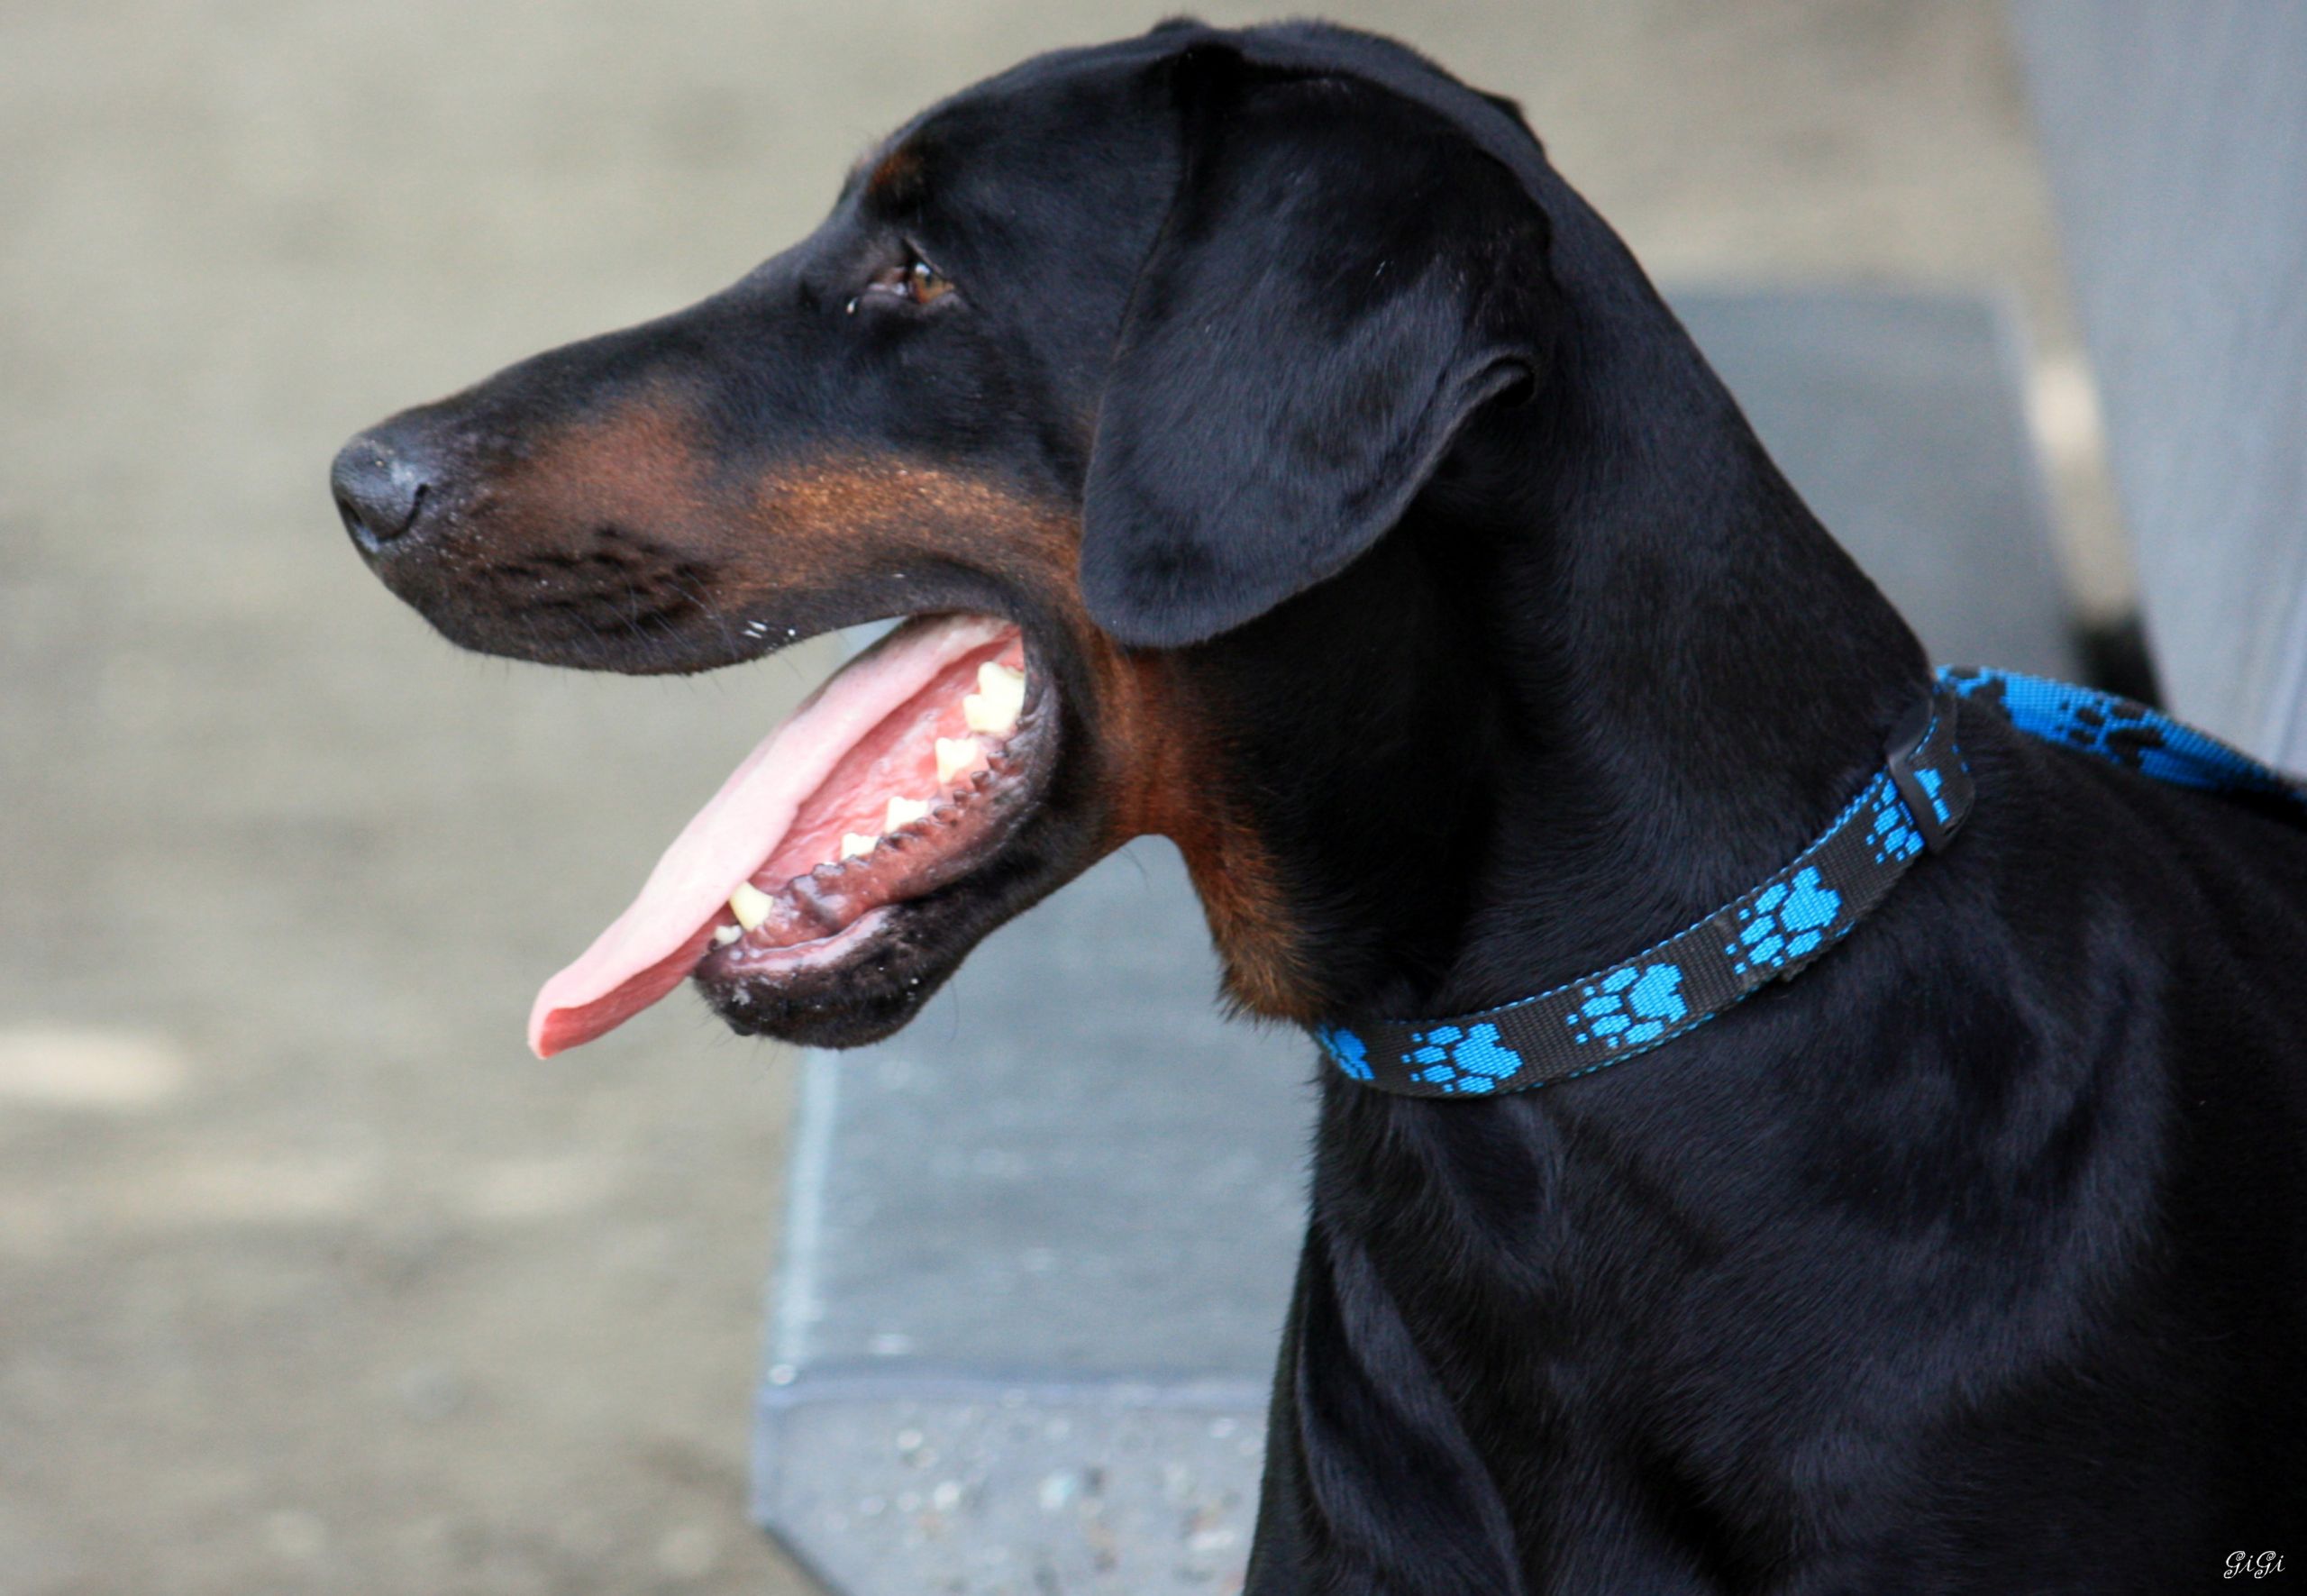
1110	378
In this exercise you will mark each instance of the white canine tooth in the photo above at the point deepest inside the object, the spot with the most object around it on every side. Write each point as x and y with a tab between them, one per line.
854	846
987	718
1001	695
954	755
722	935
749	904
903	812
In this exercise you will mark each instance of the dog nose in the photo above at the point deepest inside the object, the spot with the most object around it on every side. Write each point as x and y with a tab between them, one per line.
380	482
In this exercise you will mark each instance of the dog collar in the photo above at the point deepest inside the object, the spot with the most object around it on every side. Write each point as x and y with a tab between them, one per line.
1912	806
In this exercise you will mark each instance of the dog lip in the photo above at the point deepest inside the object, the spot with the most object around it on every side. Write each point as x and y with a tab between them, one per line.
813	954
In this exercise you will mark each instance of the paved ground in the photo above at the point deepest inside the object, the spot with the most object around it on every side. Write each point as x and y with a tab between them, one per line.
310	1278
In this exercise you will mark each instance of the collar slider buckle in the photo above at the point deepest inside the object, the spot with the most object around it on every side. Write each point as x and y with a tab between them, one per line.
1904	758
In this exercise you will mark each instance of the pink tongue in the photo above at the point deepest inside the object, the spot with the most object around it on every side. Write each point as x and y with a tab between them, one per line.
654	945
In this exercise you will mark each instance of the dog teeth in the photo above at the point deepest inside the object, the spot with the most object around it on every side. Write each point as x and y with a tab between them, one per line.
993	709
903	812
954	755
856	845
749	904
722	935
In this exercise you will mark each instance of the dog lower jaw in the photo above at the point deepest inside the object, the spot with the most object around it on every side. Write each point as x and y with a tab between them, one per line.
900	775
878	933
855	987
867	981
810	993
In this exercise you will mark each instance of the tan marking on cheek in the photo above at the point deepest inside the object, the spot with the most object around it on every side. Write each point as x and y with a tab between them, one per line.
827	520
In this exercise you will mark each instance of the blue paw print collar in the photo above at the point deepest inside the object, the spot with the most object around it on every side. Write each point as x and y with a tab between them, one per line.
1914	804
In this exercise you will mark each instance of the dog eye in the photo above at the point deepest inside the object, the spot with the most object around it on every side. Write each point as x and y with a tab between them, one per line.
924	283
915	279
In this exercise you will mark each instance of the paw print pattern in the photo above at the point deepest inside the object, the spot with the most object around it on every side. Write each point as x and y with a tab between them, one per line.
1462	1059
1932	782
2125	731
1785	922
2114	728
1347	1051
1632	1005
1892	835
2120	730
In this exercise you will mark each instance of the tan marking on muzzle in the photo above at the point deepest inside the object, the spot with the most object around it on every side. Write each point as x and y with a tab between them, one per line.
639	466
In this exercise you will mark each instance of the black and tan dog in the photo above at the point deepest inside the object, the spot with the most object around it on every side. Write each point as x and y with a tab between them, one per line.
1278	456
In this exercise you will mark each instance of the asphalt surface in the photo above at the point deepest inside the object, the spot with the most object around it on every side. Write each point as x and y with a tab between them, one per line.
311	1279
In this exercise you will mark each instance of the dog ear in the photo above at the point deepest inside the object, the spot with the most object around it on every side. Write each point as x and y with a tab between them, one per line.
1325	308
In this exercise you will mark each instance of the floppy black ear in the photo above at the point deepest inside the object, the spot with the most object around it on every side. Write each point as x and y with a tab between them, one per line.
1338	287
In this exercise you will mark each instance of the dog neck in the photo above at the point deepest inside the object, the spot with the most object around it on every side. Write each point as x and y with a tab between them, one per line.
1610	673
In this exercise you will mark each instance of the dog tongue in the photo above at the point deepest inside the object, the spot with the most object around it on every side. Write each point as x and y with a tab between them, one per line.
655	944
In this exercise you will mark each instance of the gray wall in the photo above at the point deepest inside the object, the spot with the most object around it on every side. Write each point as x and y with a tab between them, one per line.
2175	132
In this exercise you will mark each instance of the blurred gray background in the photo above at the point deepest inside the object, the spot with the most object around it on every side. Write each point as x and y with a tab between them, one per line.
311	1279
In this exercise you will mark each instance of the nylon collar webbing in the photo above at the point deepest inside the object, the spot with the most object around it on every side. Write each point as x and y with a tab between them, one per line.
1913	805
